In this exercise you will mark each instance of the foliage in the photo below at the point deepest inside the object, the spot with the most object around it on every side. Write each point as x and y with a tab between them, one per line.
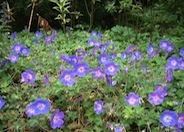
48	55
63	7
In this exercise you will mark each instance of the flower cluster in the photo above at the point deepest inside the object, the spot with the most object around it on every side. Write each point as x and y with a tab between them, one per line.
39	106
157	96
166	46
170	118
18	48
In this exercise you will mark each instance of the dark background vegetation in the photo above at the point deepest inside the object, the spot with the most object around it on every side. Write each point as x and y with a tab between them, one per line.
141	14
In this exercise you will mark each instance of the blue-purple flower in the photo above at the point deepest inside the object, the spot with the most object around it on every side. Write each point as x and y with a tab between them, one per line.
169	75
137	54
13	57
132	57
38	34
98	73
98	107
13	35
163	44
119	128
130	49
181	64
168	118
150	49
169	48
144	69
123	55
173	62
16	48
67	77
28	77
182	52
161	89
24	51
111	68
39	106
90	42
73	60
180	122
56	119
48	39
45	80
132	99
81	69
1	102
155	98
103	58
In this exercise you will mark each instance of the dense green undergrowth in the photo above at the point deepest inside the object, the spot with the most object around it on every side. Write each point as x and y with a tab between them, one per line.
50	57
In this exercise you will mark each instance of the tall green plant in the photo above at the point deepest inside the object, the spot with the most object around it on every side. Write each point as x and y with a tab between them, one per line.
63	7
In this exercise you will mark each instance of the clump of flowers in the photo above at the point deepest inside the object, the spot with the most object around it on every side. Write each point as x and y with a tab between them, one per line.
39	106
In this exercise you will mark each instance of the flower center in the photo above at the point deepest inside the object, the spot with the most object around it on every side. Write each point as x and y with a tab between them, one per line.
167	118
173	62
40	106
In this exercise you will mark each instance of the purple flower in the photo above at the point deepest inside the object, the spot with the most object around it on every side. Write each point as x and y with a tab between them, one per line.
111	68
1	102
90	42
132	99
93	33
97	43
28	77
155	98
137	54
161	89
73	60
132	57
173	62
67	77
24	51
102	48
181	64
103	58
163	44
182	52
54	34
168	118
48	39
98	107
45	80
130	49
13	57
38	34
16	48
13	35
39	106
169	48
64	58
119	129
35	40
150	49
123	55
144	69
56	119
113	56
169	75
99	35
98	73
81	69
109	79
180	122
31	110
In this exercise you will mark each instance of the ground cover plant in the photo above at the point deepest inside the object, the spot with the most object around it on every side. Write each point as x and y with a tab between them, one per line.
91	82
